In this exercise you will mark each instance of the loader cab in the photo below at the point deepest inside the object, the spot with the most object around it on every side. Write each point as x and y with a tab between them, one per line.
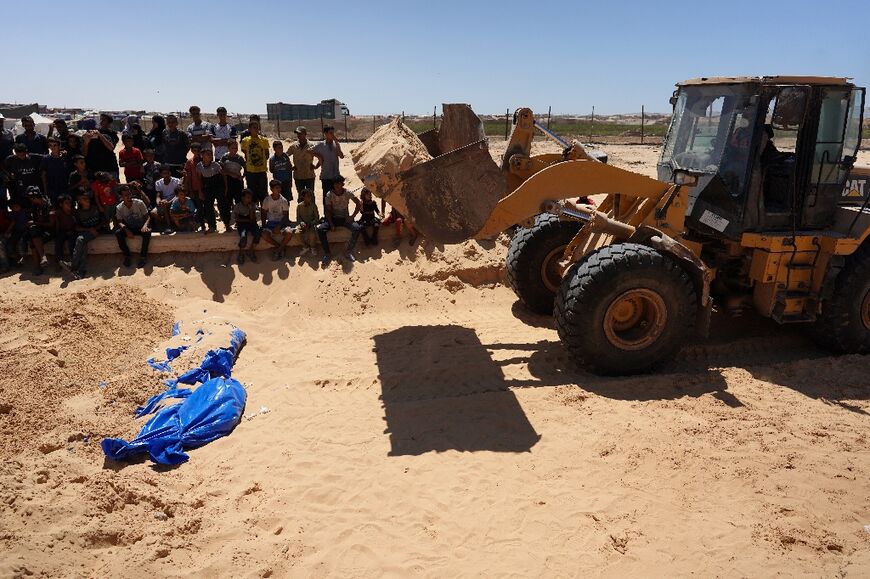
762	153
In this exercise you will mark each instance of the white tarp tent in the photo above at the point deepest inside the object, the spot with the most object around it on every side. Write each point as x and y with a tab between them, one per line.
42	124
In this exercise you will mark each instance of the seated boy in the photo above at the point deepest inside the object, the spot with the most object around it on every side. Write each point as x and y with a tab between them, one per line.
307	218
88	222
39	227
64	228
133	219
165	188
276	219
338	214
398	219
182	212
104	187
245	216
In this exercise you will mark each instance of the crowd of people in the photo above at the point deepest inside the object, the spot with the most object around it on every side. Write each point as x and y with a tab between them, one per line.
66	187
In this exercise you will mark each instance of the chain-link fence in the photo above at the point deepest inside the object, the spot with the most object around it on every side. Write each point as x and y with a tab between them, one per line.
628	129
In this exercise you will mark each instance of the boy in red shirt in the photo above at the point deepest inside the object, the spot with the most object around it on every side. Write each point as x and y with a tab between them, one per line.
131	159
105	196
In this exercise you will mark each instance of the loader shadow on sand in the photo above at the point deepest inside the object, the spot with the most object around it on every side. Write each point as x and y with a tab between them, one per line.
441	390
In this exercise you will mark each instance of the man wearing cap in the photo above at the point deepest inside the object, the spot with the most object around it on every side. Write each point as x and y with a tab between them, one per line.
24	171
303	160
98	147
6	143
328	153
221	134
133	219
199	131
35	142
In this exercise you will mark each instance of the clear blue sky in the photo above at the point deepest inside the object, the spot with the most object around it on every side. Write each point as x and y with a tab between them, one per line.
385	57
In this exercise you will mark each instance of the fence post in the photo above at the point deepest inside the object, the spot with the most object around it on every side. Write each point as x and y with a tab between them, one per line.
507	123
374	123
346	135
642	118
434	115
592	123
403	117
549	114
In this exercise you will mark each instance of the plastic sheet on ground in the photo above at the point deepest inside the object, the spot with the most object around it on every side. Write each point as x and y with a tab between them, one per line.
208	412
211	411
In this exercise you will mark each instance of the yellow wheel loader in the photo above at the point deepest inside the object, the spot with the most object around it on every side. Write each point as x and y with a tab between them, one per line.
757	204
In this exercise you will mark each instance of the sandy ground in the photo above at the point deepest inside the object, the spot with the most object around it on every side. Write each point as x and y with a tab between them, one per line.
419	422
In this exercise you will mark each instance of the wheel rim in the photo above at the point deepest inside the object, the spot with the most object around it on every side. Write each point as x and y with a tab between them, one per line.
552	269
865	311
635	319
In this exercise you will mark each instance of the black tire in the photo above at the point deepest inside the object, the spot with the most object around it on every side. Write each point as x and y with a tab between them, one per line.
844	324
653	295
531	253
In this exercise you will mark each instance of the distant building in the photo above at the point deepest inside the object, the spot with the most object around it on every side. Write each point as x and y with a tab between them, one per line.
328	109
18	111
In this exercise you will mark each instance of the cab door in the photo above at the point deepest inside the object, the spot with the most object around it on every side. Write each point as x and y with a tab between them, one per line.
836	145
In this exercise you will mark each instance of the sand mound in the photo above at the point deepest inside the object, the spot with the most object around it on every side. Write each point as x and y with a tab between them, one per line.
72	364
391	149
469	264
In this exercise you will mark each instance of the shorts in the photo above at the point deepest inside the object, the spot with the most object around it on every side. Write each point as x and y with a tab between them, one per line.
275	226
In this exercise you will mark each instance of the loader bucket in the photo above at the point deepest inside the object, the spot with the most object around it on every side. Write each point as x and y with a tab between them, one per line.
451	197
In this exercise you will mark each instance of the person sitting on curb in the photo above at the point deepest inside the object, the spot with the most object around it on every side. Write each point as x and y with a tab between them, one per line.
338	214
276	219
182	212
39	227
245	216
133	219
89	219
307	218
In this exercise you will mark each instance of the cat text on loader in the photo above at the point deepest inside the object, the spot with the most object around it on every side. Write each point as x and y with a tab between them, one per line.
754	206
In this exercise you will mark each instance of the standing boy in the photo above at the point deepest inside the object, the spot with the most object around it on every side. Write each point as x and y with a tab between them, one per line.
55	177
232	164
256	150
131	160
150	175
213	189
98	147
328	153
303	160
281	167
133	219
199	131
176	145
221	134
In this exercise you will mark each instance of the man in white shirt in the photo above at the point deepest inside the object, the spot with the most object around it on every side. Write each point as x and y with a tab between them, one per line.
221	134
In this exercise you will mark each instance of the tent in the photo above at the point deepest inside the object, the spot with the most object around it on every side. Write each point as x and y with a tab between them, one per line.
42	124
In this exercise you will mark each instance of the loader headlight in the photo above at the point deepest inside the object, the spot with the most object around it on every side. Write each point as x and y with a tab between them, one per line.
685	178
